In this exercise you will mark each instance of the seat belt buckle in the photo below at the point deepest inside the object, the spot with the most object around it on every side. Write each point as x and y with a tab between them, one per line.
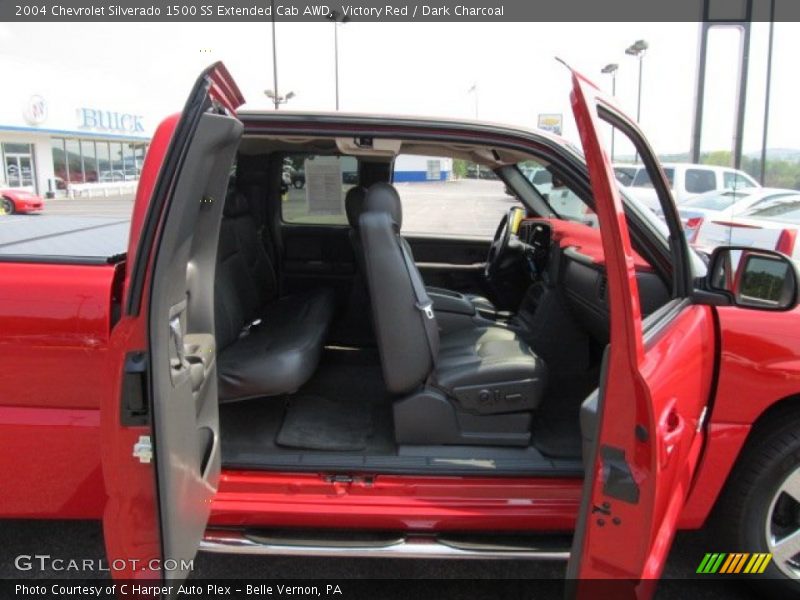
426	308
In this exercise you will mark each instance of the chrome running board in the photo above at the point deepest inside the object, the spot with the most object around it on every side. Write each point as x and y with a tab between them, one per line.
237	541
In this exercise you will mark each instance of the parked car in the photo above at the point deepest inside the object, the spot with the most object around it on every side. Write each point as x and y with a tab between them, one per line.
772	225
112	176
201	405
15	200
688	180
723	204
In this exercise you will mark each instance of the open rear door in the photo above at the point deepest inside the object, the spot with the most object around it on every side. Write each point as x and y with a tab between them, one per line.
645	426
160	430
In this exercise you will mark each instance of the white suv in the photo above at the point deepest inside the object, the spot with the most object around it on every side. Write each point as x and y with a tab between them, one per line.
688	180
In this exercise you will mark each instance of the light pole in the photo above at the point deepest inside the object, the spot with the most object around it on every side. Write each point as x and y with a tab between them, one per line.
274	96
337	19
474	90
611	69
638	49
277	99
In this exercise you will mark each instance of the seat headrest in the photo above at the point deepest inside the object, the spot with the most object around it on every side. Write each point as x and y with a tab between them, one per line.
383	197
236	204
354	204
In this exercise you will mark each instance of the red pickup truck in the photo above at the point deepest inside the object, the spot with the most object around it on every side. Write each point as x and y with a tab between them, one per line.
244	380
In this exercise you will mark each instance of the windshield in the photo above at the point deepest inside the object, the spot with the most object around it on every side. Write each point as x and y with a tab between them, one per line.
784	210
642	178
715	201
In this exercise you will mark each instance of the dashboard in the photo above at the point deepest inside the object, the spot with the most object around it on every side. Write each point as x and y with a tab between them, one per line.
570	256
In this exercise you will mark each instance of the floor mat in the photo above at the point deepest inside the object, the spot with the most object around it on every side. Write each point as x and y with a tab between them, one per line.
318	423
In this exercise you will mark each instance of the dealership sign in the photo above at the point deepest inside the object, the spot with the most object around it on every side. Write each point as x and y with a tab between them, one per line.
551	123
106	120
35	111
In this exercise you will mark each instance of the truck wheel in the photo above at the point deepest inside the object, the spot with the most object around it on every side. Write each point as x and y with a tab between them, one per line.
6	206
759	511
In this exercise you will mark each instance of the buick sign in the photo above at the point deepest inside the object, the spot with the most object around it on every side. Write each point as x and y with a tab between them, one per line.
106	120
35	111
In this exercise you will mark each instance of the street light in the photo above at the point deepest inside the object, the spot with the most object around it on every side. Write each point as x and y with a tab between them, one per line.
611	69
277	99
274	56
338	19
638	49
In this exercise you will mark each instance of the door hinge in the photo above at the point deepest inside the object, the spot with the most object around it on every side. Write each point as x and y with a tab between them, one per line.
143	449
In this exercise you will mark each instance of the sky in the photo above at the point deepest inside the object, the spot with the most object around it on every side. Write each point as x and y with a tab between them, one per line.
426	69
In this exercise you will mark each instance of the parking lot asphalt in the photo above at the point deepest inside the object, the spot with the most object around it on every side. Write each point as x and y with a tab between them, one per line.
471	206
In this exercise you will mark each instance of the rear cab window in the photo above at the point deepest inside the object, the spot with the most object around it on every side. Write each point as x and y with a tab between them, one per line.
314	187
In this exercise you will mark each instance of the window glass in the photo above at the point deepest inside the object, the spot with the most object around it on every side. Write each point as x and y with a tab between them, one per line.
786	209
461	201
316	186
714	201
73	158
117	171
625	175
700	180
642	178
129	163
103	161
89	161
59	160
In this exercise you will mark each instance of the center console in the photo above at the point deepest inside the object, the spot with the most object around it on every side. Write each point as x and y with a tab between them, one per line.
455	310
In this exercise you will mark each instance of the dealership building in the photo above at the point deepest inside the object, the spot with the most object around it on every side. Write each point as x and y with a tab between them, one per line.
409	168
59	141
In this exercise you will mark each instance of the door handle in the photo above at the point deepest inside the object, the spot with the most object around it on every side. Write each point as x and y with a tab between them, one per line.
176	335
671	427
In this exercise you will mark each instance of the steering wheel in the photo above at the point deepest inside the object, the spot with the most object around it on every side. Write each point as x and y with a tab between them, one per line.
499	246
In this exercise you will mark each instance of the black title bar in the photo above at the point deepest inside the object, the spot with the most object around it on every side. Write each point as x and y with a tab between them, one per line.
394	10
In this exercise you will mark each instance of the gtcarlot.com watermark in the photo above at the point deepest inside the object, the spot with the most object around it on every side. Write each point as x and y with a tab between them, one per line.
46	562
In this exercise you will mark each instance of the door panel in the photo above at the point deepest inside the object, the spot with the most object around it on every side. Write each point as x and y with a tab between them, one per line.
451	263
657	381
163	347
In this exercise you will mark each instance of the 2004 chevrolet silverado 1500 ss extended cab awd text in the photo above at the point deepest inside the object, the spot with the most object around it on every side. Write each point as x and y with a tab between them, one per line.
239	381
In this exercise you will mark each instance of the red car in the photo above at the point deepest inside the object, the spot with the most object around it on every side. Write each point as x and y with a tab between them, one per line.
14	201
240	380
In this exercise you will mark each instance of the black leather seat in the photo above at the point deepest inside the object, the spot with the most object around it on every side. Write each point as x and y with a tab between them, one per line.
477	385
266	346
354	207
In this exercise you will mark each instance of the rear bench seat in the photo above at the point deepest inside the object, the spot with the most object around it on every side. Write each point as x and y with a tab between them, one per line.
268	346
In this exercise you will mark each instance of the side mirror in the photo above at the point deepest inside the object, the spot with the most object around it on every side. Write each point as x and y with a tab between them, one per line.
754	278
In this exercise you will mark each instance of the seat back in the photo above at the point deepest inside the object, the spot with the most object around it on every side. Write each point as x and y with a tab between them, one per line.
408	344
354	207
245	279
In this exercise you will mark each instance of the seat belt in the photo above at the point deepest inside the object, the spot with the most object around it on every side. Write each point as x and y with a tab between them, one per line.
423	302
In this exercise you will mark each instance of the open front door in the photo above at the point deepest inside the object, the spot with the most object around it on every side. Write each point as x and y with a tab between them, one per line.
646	424
160	430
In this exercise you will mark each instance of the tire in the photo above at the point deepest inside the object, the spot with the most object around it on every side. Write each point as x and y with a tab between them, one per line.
6	206
755	512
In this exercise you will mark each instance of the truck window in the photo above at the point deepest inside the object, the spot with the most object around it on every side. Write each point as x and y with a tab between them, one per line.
642	178
315	186
700	180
